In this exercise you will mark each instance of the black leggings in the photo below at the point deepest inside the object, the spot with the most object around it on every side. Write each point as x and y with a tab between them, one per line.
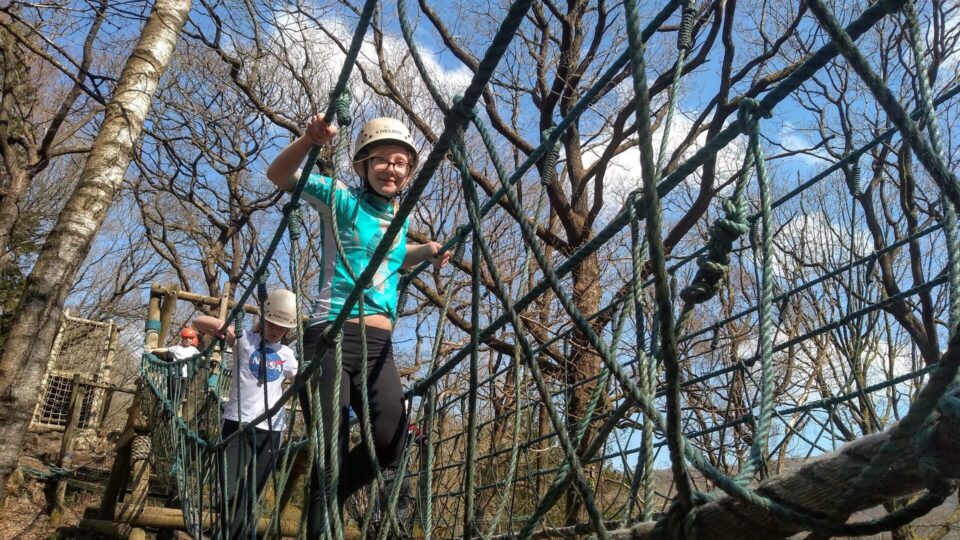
387	416
240	472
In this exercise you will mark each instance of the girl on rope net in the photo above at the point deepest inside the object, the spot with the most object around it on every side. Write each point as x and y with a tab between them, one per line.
257	353
384	158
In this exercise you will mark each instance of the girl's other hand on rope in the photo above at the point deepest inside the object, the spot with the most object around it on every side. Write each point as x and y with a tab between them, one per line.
211	326
439	259
318	131
430	251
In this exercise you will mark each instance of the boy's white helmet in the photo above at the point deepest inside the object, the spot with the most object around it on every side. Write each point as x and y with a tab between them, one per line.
381	130
281	308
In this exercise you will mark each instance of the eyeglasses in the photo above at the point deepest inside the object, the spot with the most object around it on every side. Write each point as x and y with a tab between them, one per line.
380	164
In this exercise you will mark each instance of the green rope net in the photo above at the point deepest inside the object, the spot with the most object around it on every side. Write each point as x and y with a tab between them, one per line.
533	465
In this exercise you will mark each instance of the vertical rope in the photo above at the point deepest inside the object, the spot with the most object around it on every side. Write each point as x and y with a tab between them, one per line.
751	112
469	510
662	293
929	119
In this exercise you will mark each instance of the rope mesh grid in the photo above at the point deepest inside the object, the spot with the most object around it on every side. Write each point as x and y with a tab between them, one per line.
736	375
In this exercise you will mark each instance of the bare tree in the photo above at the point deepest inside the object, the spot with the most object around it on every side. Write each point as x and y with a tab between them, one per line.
201	202
37	317
37	125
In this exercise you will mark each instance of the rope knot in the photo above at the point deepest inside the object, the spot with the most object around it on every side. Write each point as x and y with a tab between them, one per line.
294	219
749	115
458	253
238	323
402	297
680	523
343	108
687	20
329	338
853	179
549	173
715	264
140	448
461	110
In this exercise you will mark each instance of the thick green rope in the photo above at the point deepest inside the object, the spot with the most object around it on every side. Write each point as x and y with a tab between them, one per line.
928	118
668	344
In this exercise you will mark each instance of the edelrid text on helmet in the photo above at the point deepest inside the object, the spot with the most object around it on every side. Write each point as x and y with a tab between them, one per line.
281	308
381	131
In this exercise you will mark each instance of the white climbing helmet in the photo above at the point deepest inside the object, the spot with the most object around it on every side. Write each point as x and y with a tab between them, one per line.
380	130
281	308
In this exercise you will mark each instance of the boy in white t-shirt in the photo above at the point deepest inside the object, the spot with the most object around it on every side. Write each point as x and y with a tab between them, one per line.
256	353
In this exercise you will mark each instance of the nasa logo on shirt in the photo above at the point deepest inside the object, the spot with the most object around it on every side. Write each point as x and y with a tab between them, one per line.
274	364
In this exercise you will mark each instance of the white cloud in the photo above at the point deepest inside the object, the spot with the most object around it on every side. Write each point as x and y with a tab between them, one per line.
793	139
624	172
816	239
301	39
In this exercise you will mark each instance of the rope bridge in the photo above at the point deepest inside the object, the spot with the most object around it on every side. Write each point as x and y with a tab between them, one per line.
675	384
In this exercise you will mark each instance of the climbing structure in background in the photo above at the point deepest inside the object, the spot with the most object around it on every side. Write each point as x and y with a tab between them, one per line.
82	347
723	387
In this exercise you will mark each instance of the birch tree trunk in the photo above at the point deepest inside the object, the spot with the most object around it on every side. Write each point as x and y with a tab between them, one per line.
37	317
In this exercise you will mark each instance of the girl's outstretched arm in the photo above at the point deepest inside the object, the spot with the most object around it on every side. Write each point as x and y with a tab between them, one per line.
210	326
283	170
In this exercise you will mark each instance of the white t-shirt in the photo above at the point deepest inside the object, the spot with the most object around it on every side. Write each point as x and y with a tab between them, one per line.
182	353
244	394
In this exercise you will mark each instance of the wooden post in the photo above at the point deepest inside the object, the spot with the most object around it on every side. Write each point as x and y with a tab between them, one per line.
203	301
222	311
106	394
120	473
152	331
172	518
65	458
140	452
167	306
299	475
117	483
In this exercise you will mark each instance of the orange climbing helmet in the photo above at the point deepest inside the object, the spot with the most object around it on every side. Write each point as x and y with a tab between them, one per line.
188	333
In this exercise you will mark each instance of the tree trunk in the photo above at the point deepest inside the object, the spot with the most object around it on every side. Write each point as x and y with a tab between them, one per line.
14	85
36	318
584	364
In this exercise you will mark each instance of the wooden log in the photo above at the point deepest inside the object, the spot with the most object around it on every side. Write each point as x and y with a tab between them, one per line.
200	300
172	518
819	483
117	484
152	337
212	302
168	304
140	470
107	389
